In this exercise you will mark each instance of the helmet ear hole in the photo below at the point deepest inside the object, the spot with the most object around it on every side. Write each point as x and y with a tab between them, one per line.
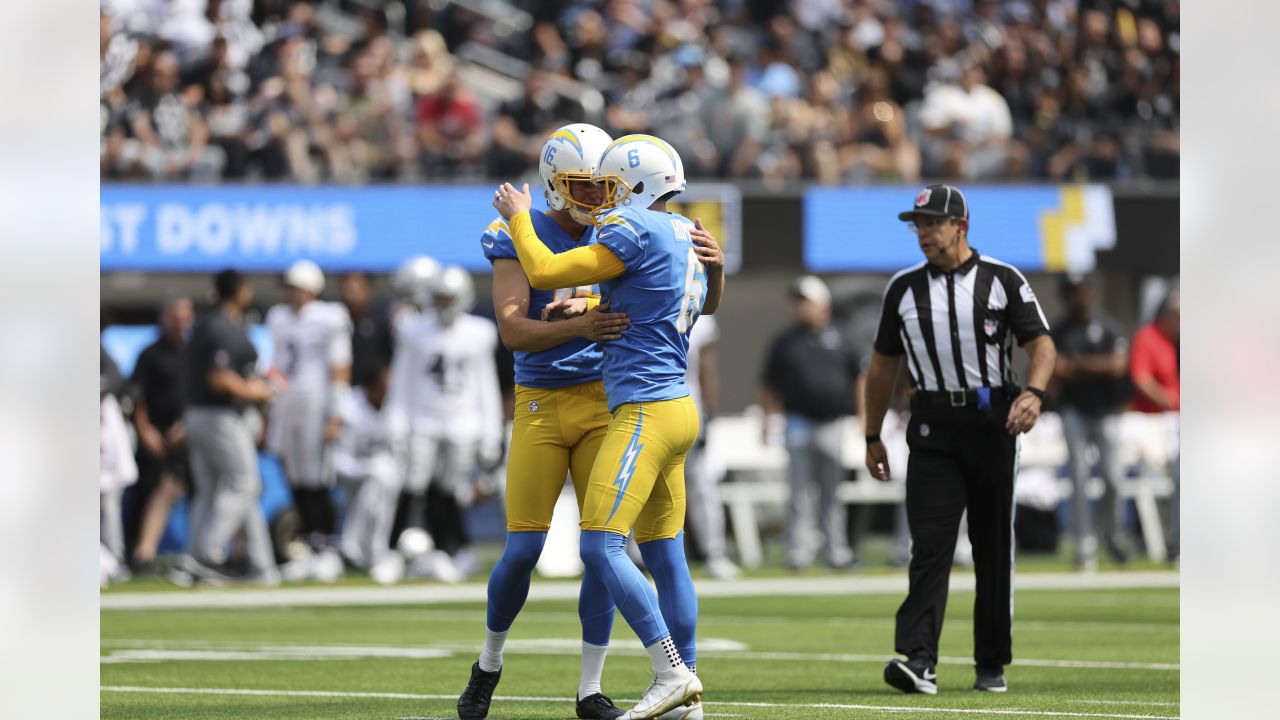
639	188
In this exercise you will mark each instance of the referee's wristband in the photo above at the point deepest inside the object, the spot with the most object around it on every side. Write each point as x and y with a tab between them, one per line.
1037	392
873	438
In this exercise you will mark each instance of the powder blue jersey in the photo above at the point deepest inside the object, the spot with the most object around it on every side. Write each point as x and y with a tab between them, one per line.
571	363
661	291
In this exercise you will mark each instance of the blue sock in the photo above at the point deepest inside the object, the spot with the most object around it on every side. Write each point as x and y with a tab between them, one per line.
509	581
676	596
605	555
595	609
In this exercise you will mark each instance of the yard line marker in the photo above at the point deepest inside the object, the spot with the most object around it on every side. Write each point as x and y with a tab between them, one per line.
426	593
521	698
158	650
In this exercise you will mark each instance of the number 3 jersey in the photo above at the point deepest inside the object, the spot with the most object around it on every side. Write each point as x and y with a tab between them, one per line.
571	363
662	291
310	343
444	381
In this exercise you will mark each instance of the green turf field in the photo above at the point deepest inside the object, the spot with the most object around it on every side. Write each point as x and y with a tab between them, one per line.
1089	653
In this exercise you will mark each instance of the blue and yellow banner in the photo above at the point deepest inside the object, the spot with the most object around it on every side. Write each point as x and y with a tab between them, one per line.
1035	228
264	229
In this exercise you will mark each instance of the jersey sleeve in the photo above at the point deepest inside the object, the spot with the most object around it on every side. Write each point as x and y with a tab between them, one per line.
888	338
623	233
496	241
1025	316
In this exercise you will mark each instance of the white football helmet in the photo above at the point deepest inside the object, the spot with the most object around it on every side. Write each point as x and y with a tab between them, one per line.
570	154
454	294
637	170
415	279
305	275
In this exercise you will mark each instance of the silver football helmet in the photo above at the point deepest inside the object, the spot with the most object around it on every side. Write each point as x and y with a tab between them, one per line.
415	280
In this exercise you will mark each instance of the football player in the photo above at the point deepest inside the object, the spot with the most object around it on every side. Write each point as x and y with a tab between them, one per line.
444	395
560	413
365	464
663	271
312	361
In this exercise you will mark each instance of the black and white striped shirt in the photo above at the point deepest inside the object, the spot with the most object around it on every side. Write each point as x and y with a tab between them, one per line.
957	328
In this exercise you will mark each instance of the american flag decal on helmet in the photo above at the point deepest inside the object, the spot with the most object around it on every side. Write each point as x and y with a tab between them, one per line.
669	179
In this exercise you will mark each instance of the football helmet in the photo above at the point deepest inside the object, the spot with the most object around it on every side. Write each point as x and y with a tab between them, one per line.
570	154
415	279
637	170
453	294
305	275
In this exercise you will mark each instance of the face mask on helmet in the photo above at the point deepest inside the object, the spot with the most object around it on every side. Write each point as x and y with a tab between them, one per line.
637	170
567	162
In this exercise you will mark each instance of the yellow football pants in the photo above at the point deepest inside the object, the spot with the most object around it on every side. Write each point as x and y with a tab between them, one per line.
638	478
555	431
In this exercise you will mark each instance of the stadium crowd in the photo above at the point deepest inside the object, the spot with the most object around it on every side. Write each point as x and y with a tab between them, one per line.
835	91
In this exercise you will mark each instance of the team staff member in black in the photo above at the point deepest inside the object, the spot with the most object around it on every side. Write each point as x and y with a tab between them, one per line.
955	317
224	461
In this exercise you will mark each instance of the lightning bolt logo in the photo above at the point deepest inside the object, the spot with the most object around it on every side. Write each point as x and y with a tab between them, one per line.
628	468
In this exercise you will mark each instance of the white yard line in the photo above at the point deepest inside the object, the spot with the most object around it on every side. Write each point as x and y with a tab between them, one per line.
157	651
423	594
520	698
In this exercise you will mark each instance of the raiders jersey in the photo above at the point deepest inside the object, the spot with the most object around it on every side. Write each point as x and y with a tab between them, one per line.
444	381
310	343
366	434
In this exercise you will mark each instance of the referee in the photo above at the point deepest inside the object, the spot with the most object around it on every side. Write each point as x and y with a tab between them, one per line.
954	318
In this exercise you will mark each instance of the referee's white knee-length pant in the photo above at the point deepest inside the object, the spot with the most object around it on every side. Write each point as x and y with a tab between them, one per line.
224	470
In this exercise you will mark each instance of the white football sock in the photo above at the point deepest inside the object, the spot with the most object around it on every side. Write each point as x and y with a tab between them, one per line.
664	655
592	669
491	655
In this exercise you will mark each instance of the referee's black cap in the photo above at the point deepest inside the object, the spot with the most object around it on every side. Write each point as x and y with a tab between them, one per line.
939	201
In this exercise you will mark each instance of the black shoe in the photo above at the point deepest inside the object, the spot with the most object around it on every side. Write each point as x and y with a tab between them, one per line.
912	676
990	679
598	707
474	703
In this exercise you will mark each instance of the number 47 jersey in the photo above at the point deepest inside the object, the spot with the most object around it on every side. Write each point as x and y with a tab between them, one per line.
662	291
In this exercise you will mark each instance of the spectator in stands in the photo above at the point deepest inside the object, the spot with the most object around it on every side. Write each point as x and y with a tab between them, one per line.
450	131
1091	391
1044	88
740	116
878	145
1155	369
370	125
169	130
431	63
521	125
969	126
371	333
810	375
160	387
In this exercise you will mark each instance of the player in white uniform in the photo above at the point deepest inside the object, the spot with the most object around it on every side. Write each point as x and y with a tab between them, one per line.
444	394
312	340
367	467
702	473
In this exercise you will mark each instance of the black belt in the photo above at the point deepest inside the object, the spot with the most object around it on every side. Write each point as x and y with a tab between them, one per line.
947	399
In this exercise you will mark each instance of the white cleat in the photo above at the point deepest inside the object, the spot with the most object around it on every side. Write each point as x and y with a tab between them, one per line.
684	712
670	689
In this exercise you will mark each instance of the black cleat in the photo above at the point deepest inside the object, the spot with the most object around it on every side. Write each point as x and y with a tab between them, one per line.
912	676
474	703
598	707
990	679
